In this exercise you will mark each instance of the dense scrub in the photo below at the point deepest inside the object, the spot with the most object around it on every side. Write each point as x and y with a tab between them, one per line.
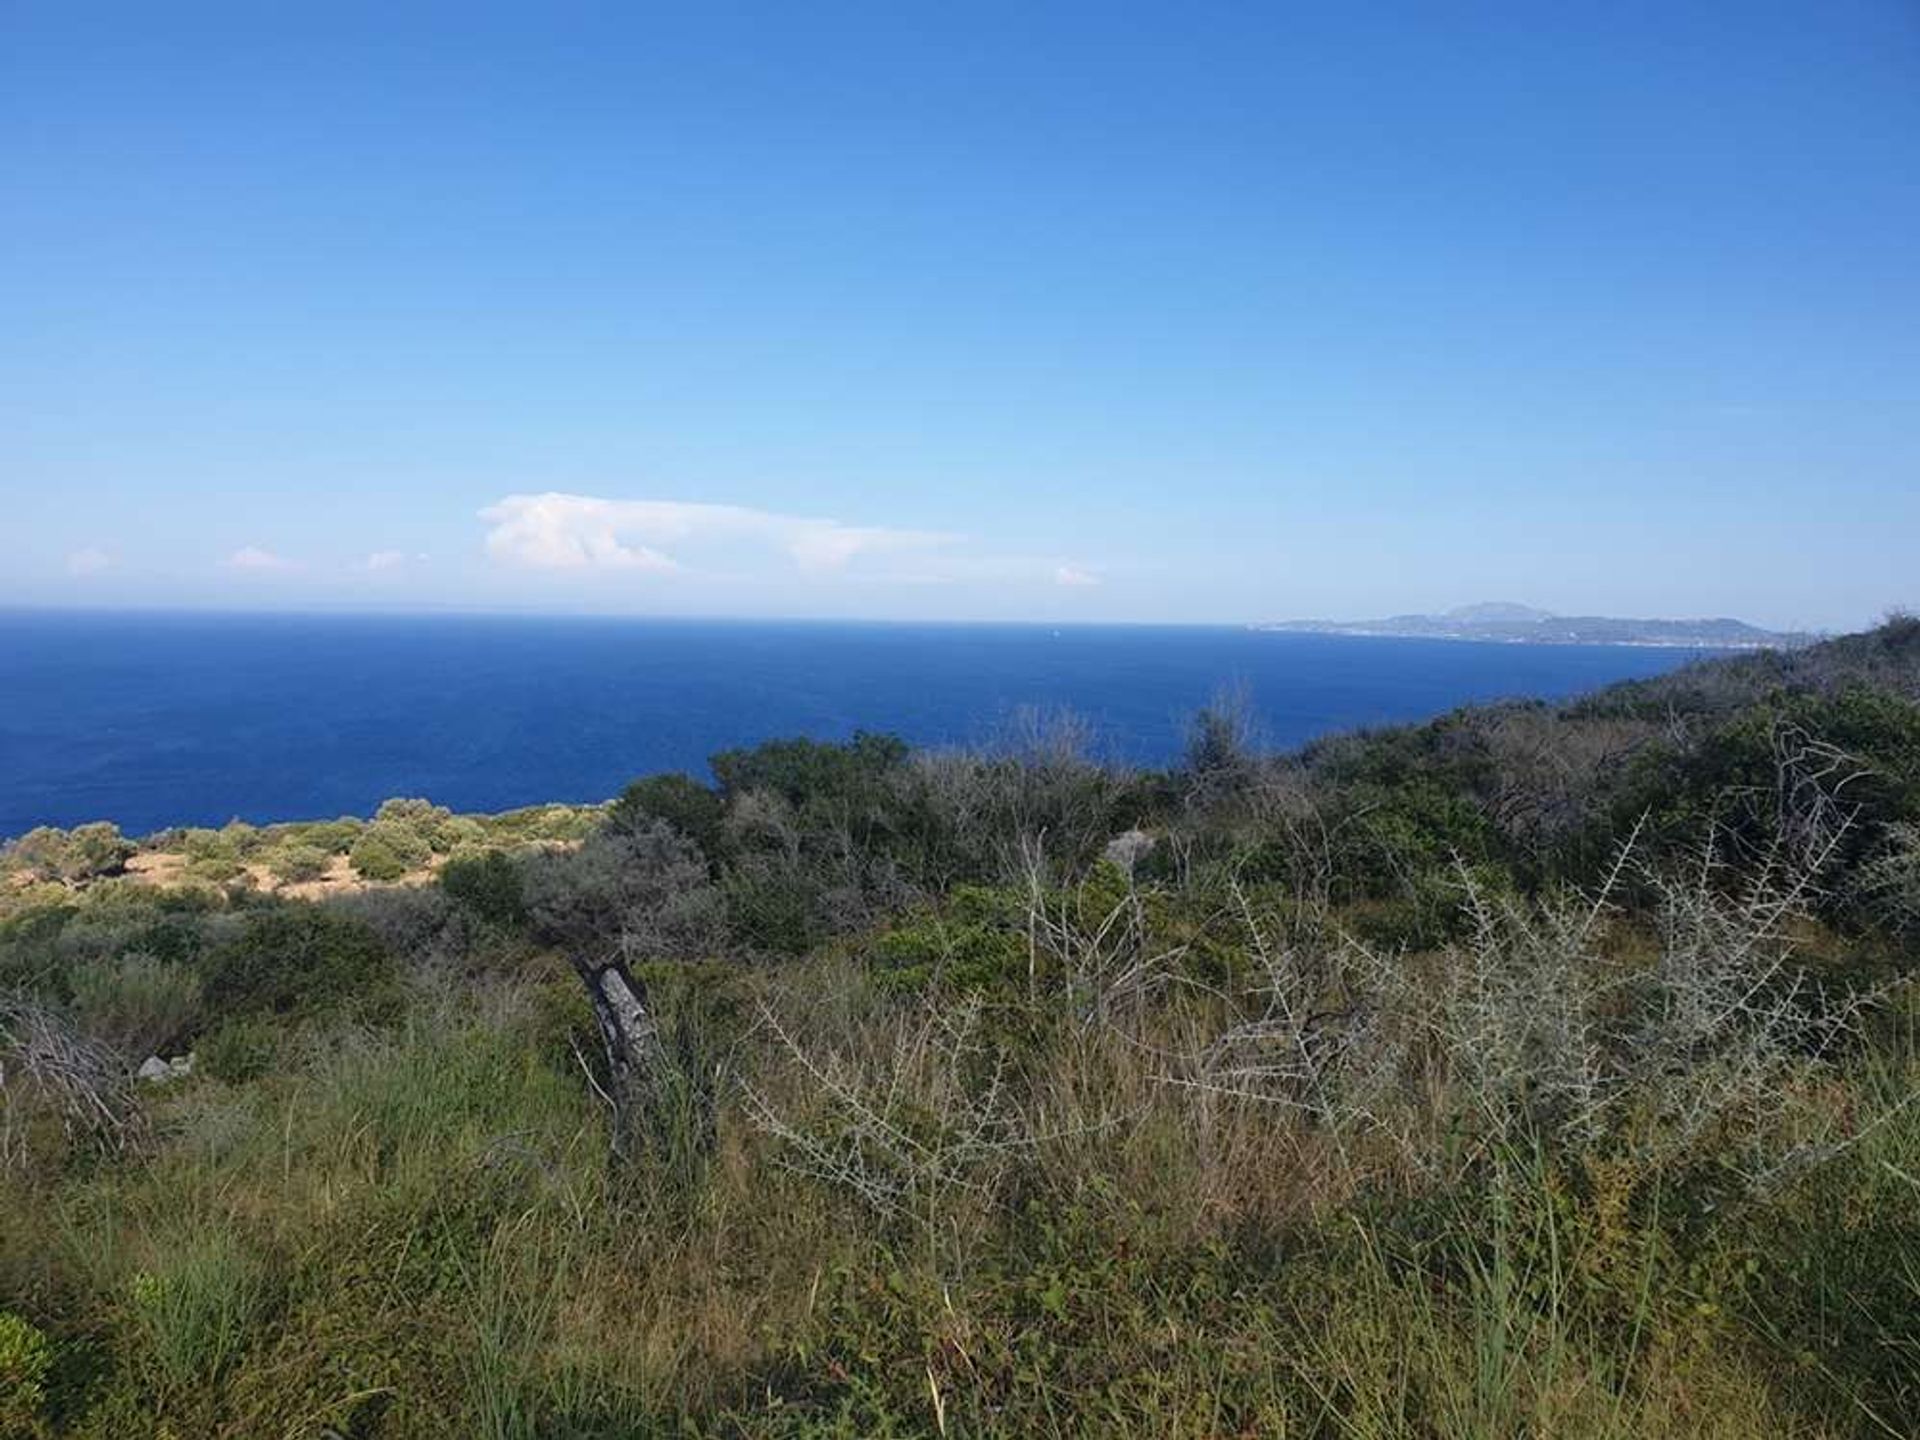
1536	1071
405	839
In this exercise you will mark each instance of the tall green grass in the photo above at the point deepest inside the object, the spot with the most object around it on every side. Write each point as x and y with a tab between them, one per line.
196	1301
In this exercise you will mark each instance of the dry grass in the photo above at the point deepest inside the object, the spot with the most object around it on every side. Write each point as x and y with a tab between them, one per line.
1510	1187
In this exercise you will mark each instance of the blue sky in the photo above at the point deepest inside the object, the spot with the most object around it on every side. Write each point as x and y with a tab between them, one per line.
1056	312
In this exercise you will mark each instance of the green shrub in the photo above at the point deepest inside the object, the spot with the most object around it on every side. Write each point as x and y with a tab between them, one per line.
333	837
416	828
300	960
98	849
805	772
460	832
26	1355
241	838
973	946
545	822
297	864
411	845
1889	886
41	852
198	843
216	869
238	1050
682	802
421	814
373	858
85	852
136	1002
488	884
773	908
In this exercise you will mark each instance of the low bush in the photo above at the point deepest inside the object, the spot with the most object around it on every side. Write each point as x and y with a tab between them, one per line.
374	858
297	864
645	892
138	1003
977	943
416	923
406	842
689	807
297	960
86	852
332	837
488	885
237	1050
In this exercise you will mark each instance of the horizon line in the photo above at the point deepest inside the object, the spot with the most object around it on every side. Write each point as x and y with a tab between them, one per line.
1266	625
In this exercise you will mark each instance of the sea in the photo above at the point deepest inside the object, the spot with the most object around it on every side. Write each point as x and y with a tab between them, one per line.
153	720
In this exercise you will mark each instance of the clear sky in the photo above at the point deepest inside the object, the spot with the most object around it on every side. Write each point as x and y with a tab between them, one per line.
1051	311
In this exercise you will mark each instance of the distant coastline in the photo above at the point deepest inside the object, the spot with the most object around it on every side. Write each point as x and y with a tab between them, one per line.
1508	624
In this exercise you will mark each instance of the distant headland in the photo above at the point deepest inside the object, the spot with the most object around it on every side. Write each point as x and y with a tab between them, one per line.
1523	625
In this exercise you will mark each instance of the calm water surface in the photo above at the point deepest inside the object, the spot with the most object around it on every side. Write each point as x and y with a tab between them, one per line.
156	720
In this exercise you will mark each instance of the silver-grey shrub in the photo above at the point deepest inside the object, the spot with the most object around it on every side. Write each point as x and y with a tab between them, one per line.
1693	1027
644	894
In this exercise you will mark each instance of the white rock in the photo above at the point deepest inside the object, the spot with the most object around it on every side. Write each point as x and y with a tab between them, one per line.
154	1070
1128	848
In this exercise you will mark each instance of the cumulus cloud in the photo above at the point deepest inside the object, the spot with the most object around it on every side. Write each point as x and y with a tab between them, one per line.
252	557
585	532
90	560
1075	577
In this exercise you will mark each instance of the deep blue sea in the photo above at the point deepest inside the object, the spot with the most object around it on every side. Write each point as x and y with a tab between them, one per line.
157	720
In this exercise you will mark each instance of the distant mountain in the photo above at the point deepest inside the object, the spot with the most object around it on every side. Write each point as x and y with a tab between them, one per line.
1524	625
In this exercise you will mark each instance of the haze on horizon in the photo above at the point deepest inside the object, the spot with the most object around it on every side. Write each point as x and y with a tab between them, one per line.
1111	312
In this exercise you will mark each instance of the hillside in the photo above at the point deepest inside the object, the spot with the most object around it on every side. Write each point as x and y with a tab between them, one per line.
1538	1070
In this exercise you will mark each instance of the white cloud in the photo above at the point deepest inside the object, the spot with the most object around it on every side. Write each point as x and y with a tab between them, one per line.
252	557
1075	577
90	560
390	560
584	532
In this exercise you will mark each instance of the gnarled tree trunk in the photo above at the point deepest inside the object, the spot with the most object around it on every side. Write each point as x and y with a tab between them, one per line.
636	1059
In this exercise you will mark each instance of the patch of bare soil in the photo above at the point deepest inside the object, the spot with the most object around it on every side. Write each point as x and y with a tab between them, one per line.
166	870
158	867
340	879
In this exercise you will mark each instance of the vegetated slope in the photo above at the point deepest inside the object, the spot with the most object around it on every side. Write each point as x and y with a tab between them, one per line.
1538	1070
